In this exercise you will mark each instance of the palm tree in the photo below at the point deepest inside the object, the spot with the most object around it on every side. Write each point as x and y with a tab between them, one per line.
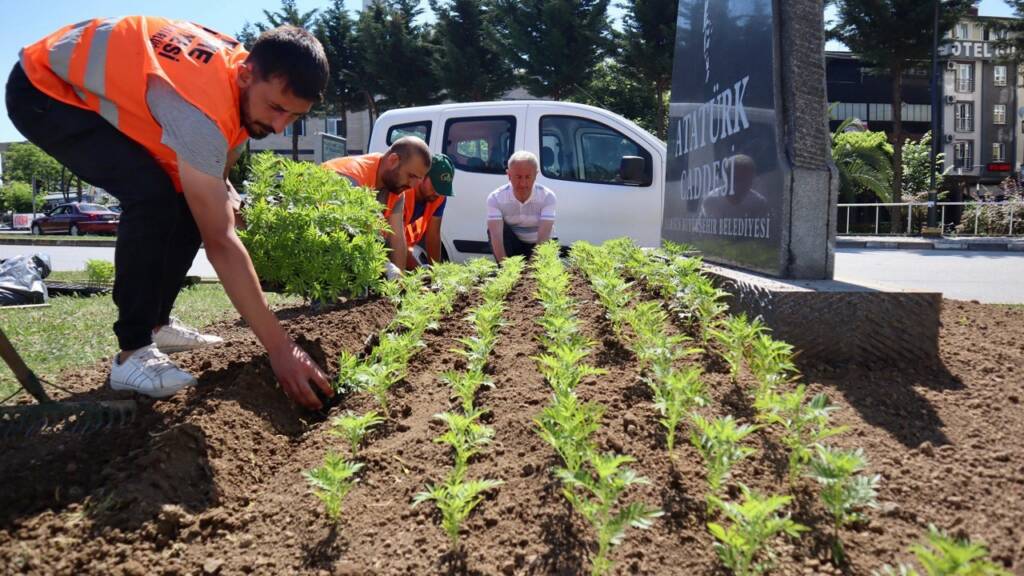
860	167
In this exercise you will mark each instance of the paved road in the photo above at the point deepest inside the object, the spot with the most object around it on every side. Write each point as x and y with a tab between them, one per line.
992	277
74	257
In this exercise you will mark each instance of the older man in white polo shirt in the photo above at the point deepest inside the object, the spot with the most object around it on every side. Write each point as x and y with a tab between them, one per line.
520	214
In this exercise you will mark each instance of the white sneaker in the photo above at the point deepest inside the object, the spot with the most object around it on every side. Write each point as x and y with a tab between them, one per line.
149	372
176	337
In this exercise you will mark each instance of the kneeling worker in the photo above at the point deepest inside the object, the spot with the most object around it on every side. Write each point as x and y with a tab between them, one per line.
520	214
428	200
403	166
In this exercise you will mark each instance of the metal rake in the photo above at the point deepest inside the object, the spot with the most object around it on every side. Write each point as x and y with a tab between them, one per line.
75	417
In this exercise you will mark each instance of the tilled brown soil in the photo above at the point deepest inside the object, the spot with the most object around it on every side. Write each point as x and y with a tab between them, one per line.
210	482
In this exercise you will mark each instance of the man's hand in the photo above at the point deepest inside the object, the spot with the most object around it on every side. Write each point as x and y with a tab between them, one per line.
294	369
497	230
211	206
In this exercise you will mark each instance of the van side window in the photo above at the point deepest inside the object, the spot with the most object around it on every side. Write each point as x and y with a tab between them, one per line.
480	144
583	150
418	129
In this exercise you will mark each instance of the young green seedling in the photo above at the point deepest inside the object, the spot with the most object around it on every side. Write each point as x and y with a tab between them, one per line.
332	481
771	362
676	394
844	491
465	435
355	427
804	423
718	442
943	555
455	499
594	492
743	544
464	386
568	424
735	336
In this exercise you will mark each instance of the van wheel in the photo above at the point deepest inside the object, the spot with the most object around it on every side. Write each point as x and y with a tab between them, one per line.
36	230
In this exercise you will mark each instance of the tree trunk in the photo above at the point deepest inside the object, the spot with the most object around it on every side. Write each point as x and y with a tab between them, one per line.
65	184
344	121
78	185
895	213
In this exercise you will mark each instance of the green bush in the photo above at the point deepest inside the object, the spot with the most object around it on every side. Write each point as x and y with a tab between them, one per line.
310	232
99	271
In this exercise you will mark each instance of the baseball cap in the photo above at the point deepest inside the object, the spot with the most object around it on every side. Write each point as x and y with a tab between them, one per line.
441	174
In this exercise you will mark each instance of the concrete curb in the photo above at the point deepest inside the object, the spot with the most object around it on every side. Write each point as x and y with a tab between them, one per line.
974	244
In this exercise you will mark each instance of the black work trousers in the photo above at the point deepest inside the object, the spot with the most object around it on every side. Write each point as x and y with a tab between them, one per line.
157	238
513	245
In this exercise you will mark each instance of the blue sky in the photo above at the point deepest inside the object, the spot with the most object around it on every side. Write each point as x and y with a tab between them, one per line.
25	22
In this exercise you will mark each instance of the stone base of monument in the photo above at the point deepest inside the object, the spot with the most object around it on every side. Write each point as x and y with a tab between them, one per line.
837	322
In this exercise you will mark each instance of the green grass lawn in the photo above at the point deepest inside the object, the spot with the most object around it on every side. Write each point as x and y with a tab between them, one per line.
74	331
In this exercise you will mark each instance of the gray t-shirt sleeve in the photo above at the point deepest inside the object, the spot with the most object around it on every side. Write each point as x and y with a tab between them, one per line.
191	134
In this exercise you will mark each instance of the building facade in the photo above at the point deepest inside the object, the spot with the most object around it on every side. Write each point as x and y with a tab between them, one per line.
981	96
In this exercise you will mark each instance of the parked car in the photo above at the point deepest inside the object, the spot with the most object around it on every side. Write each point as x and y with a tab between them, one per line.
607	172
77	219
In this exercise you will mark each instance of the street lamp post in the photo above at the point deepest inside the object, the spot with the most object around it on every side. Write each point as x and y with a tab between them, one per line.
936	109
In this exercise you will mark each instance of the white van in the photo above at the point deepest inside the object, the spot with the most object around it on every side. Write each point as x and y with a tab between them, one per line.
607	172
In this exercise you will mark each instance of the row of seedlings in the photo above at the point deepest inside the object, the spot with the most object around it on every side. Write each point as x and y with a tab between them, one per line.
677	394
593	482
456	497
423	298
802	423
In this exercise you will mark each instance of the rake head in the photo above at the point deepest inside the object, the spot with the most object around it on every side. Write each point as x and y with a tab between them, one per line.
70	417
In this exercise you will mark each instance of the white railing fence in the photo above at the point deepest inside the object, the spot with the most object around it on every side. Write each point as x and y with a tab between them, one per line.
975	218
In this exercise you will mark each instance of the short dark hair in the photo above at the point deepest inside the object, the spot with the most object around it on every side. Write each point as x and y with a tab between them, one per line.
291	53
408	146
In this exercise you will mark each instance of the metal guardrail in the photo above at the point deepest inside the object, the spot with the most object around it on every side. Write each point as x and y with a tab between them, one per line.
1014	206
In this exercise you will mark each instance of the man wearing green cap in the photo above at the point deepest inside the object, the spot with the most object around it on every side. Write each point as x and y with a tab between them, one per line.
423	230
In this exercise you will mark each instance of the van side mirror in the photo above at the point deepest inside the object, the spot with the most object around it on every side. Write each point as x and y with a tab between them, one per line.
631	169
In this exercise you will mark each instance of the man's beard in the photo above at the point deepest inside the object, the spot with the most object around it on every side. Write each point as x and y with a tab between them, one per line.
389	182
256	130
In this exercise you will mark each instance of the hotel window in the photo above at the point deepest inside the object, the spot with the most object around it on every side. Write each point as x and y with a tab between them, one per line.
999	75
999	114
963	155
964	117
998	154
962	31
965	77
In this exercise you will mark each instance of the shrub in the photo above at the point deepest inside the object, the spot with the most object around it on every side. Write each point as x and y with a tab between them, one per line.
312	233
99	271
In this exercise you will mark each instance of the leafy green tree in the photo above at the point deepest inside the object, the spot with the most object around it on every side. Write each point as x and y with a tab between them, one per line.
469	63
614	87
916	160
649	32
396	57
555	44
16	196
345	92
891	35
25	160
864	161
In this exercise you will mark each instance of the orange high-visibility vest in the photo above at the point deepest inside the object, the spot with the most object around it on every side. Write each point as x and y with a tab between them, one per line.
362	171
104	64
415	230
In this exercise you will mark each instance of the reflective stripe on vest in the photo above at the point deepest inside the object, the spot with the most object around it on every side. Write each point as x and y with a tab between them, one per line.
104	65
